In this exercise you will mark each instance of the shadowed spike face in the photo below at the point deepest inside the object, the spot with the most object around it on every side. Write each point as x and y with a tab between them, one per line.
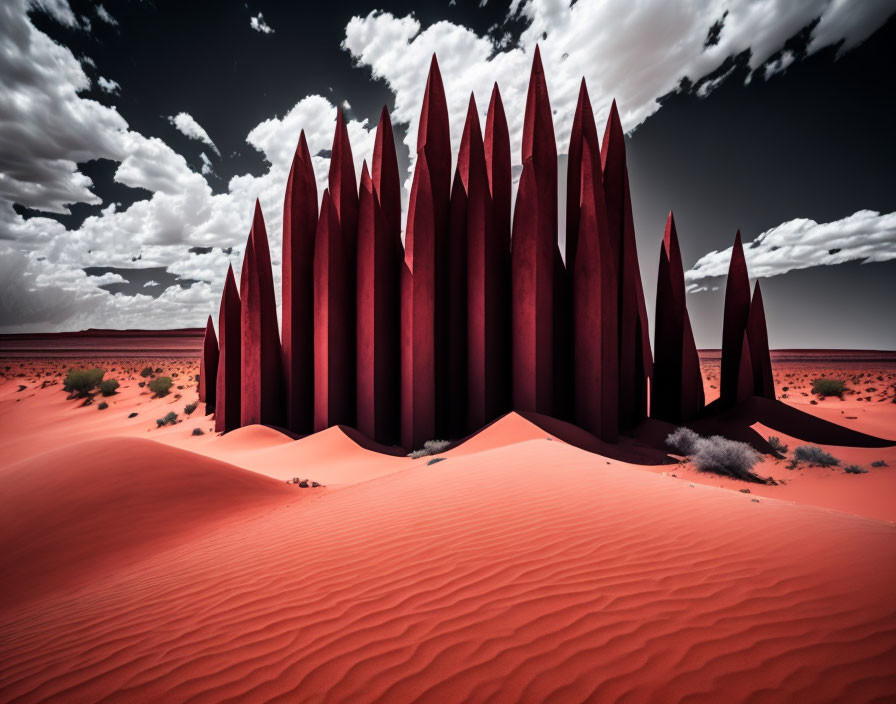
635	359
228	382
262	397
384	175
744	372
418	368
734	325
334	324
760	356
583	130
594	339
342	182
677	386
534	257
378	352
208	367
299	225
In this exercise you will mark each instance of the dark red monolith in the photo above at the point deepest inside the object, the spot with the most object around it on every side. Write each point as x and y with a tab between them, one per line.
334	322
343	184
228	381
434	140
378	349
418	370
595	384
744	372
635	359
496	144
260	355
208	367
533	255
676	386
757	335
455	399
734	326
385	177
299	226
485	266
583	129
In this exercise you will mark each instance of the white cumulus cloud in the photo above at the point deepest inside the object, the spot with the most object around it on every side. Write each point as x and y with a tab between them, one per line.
108	85
187	125
865	236
259	25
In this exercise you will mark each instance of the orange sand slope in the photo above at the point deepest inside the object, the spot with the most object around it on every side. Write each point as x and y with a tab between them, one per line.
524	571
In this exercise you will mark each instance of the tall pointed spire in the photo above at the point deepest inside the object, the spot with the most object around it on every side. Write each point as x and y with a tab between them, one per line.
384	175
262	395
635	359
677	386
334	323
485	262
229	374
208	367
299	225
342	181
595	385
378	350
434	141
496	143
418	367
734	326
455	390
583	129
757	336
533	263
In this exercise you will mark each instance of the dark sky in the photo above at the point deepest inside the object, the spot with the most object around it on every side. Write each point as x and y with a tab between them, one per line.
814	141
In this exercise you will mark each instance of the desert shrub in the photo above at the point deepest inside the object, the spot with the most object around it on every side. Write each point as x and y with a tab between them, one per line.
828	387
81	382
683	440
160	385
169	418
813	454
436	459
145	372
878	463
198	431
775	443
102	406
190	407
430	447
132	415
108	387
855	469
729	457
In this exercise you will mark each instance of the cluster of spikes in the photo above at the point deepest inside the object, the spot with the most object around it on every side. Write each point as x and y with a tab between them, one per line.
478	313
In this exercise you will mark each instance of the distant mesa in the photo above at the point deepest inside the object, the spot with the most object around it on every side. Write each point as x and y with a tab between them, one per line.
478	313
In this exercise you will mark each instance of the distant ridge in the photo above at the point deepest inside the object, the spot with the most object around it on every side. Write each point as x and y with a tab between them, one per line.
97	342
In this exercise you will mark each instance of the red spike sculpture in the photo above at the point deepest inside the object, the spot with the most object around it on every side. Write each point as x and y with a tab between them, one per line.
677	385
533	263
379	259
385	178
455	399
496	144
635	360
342	181
734	327
757	336
334	324
583	130
229	375
418	383
484	265
208	367
595	386
299	226
262	394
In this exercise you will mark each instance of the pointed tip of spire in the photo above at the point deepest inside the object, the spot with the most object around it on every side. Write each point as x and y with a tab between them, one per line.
365	176
537	68
737	239
670	234
384	114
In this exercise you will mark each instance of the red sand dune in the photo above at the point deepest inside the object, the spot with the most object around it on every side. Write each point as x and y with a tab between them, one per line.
517	569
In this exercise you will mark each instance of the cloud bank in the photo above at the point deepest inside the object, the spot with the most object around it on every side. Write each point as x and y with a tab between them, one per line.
865	236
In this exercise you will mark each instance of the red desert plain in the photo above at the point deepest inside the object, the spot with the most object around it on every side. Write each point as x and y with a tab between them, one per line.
148	563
